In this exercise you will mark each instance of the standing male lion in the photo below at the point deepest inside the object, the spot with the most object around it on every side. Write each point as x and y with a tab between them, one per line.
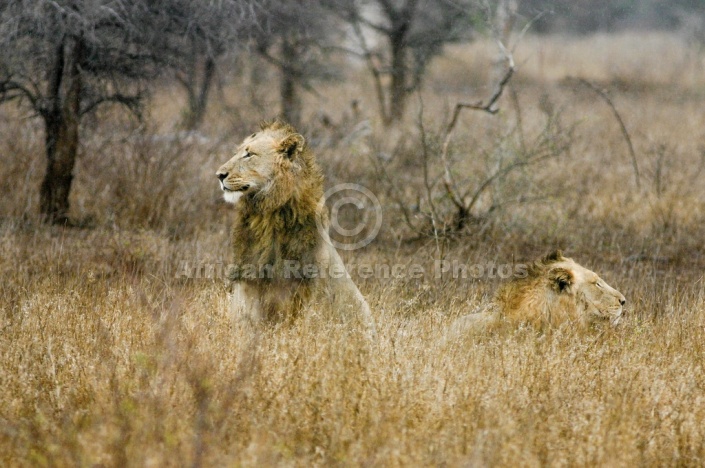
282	260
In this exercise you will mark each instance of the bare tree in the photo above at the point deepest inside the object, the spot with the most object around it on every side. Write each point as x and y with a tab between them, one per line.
295	36
398	38
199	35
450	205
65	58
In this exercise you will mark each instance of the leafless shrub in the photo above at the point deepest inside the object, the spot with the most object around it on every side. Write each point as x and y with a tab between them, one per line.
487	179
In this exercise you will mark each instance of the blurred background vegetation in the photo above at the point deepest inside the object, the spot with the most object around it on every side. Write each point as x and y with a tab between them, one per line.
70	66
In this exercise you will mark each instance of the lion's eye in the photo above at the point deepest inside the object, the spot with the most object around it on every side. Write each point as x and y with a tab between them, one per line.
598	284
247	155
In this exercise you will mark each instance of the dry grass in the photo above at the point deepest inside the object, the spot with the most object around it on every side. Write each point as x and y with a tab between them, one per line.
109	358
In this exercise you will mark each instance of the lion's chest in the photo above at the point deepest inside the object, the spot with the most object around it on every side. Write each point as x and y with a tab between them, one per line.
274	247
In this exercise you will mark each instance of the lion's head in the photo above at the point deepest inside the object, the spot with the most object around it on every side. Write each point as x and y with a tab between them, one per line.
269	168
555	290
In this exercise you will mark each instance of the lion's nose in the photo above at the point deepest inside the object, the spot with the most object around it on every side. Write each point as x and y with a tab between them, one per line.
221	175
622	301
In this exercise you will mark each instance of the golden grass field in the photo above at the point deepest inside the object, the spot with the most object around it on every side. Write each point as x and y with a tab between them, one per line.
110	357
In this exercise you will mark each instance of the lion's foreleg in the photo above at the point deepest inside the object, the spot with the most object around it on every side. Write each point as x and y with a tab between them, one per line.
245	304
364	310
346	298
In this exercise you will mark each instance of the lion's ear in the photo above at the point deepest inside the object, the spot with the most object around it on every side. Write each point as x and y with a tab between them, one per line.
292	145
553	257
561	279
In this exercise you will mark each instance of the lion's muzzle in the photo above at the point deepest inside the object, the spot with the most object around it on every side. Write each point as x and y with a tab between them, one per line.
227	186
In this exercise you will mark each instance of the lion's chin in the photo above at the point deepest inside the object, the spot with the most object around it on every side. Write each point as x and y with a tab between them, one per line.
616	318
231	196
611	316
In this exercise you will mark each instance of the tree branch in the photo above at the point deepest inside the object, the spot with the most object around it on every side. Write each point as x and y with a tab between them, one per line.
370	24
132	103
428	184
374	70
397	197
500	173
622	126
21	91
489	106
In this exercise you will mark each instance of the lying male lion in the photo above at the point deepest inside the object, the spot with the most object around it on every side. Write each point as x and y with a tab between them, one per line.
282	261
555	291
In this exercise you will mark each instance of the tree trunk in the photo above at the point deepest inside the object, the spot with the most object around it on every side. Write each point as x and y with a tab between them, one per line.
400	18
288	87
198	95
61	121
398	86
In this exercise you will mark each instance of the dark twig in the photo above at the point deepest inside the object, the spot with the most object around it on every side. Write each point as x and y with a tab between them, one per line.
428	184
600	92
132	103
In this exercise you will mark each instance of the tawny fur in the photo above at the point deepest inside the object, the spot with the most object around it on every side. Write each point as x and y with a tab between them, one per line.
280	221
556	291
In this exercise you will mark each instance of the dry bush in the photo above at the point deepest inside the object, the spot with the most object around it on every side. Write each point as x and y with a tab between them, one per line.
491	174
